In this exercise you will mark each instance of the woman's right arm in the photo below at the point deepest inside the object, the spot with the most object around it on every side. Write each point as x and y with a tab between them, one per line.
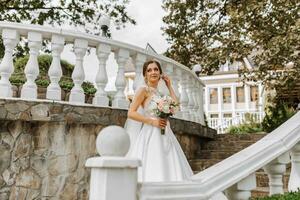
137	101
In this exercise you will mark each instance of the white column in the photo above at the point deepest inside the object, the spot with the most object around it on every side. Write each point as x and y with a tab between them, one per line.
55	71
184	100
120	100
207	100
176	83
10	40
247	97
260	102
242	190
275	170
220	106
77	93
294	181
139	61
101	98
196	101
233	100
201	104
113	176
191	102
29	89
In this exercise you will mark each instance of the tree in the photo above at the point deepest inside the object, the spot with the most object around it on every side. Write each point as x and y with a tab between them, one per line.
83	13
212	32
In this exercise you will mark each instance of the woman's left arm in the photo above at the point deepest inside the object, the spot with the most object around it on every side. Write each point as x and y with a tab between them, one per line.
170	88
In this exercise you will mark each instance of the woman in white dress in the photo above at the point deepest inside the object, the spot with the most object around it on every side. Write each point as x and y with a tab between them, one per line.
161	155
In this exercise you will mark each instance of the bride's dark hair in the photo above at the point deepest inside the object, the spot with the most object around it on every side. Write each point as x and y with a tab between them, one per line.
150	62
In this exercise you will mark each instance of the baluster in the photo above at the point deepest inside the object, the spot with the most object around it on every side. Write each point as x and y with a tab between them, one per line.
184	97
196	100
191	99
120	100
201	104
10	40
55	71
176	78
294	181
242	189
101	98
275	170
77	93
29	89
139	60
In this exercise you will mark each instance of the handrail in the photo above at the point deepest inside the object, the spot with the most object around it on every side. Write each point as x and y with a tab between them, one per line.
93	40
230	171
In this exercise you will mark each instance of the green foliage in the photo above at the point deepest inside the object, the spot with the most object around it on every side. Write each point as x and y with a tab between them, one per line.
66	83
85	14
286	196
276	115
250	125
212	32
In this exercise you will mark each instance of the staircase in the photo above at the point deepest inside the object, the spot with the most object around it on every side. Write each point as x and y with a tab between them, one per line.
226	145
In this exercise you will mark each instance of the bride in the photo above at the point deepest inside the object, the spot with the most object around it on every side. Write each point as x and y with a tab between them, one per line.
161	155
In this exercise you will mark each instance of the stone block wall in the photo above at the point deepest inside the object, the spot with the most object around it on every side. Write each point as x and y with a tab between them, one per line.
44	146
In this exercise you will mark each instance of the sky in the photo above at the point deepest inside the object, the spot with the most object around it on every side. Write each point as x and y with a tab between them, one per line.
148	15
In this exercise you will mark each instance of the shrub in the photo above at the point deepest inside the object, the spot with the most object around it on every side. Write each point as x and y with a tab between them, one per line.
276	115
286	196
249	125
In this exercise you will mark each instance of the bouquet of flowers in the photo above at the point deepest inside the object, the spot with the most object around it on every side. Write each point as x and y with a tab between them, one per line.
165	107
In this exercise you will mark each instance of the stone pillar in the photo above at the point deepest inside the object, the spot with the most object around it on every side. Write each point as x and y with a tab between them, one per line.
139	61
77	93
120	100
29	89
101	98
10	40
55	71
113	176
275	170
242	190
294	181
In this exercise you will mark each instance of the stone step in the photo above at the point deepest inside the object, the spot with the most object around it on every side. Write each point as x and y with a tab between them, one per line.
233	145
216	154
202	164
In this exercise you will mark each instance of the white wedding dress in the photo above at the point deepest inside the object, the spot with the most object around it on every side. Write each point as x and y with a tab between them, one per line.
161	155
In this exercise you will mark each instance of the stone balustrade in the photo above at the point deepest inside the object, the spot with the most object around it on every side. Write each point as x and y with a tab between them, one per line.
230	179
190	86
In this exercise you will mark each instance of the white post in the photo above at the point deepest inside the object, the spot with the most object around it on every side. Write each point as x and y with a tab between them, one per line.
55	71
120	100
260	102
139	62
195	95
77	93
294	181
113	176
29	89
201	106
184	100
176	82
207	101
191	99
220	108
275	171
10	40
247	97
233	100
242	190
101	98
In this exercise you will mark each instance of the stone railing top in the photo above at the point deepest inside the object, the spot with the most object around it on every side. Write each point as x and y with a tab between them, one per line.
93	41
61	111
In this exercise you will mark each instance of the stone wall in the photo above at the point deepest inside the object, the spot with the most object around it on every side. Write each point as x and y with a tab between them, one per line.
44	146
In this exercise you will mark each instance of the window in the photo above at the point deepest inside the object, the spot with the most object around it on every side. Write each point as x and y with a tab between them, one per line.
226	95
253	93
227	115
214	115
213	95
240	95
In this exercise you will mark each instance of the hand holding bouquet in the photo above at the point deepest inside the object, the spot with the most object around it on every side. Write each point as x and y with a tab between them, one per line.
165	107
